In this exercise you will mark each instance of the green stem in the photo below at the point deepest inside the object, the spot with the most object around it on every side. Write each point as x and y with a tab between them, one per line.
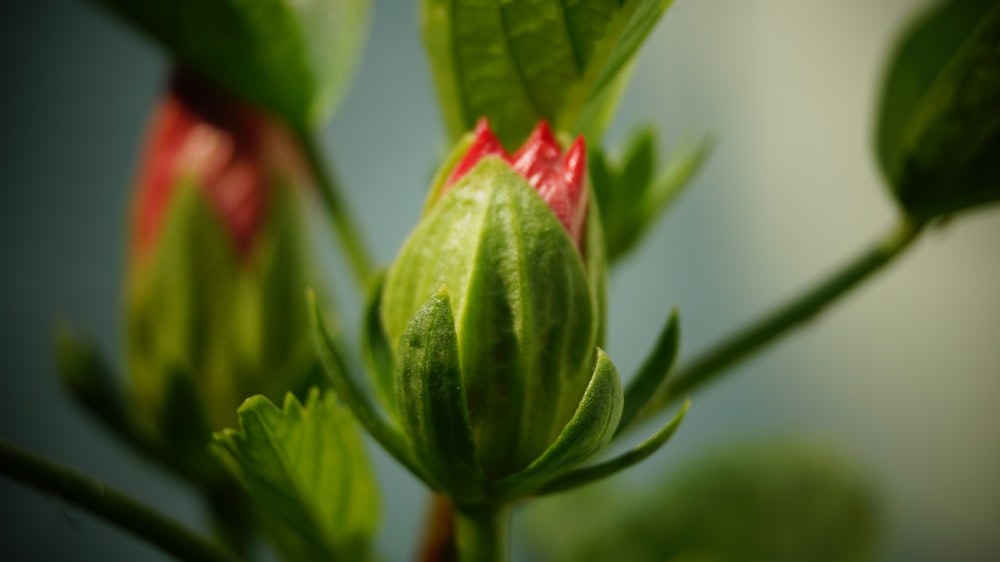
109	504
768	329
340	216
482	534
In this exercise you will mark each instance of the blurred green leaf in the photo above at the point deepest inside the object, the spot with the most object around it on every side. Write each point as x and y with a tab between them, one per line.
295	58
632	194
939	127
307	469
753	503
519	61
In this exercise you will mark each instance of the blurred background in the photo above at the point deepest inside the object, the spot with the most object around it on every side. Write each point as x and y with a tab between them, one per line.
902	377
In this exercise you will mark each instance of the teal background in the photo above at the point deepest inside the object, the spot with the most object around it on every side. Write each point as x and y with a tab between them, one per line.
903	377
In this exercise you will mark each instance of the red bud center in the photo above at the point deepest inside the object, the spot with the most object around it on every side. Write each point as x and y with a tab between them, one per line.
206	137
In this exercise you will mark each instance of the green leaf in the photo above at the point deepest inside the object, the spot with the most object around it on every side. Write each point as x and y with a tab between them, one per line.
432	404
519	61
641	452
938	137
779	502
590	429
654	370
292	57
307	469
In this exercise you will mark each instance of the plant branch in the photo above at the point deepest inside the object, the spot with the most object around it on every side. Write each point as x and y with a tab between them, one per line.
339	215
707	367
109	504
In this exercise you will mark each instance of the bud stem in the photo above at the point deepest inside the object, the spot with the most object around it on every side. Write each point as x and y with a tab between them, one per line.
109	504
482	533
339	215
742	344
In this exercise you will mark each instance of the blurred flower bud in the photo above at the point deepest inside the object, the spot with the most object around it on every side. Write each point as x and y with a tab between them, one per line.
938	136
217	263
494	314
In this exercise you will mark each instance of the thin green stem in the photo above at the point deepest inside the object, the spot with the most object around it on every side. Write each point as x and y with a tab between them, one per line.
707	367
109	504
482	534
340	216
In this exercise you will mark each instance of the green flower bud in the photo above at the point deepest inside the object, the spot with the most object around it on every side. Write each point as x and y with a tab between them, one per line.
217	265
494	308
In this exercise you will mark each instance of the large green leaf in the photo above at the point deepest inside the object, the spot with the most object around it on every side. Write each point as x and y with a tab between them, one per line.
294	57
519	61
751	503
307	469
939	127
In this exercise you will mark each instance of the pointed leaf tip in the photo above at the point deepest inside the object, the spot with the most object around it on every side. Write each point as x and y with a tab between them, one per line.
644	450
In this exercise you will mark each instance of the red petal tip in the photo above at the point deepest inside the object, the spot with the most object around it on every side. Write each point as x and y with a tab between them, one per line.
484	144
575	164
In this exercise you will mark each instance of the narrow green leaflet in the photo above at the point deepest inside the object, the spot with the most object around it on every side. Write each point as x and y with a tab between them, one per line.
307	469
294	57
779	502
653	372
376	347
519	61
939	128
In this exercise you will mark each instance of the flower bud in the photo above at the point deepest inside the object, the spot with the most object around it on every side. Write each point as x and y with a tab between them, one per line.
495	315
217	264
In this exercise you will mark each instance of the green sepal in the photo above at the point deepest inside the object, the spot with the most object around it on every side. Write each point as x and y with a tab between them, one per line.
376	347
294	58
591	428
633	194
938	137
654	370
431	401
588	474
519	290
520	61
354	396
308	472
